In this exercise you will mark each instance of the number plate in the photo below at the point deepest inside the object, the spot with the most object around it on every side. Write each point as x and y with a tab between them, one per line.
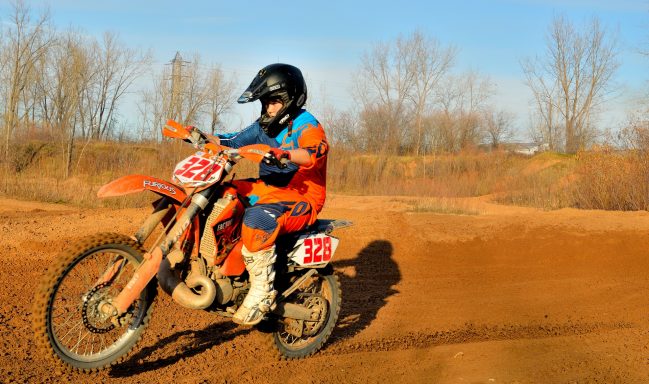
196	171
314	250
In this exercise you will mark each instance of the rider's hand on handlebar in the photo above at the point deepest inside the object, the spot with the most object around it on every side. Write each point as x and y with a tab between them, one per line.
280	153
196	137
278	157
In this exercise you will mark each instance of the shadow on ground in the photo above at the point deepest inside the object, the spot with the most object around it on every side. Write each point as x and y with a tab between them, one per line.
367	291
192	343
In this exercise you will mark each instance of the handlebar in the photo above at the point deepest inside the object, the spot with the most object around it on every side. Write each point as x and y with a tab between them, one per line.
255	152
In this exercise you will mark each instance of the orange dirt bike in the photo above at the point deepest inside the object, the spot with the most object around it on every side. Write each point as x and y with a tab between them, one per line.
96	298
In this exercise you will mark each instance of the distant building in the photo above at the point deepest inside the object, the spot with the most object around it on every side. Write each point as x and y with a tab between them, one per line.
528	149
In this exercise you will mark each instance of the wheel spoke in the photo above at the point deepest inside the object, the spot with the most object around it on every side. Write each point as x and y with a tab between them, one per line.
80	338
74	306
92	343
57	327
320	294
77	325
102	341
67	317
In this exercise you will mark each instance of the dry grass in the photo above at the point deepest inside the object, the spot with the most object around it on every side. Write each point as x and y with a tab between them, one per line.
461	175
612	180
599	179
530	181
93	166
541	182
446	206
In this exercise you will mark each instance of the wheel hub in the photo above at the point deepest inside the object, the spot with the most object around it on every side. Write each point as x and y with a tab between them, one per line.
319	306
94	319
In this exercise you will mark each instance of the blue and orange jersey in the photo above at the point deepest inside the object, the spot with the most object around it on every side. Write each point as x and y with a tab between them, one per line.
302	132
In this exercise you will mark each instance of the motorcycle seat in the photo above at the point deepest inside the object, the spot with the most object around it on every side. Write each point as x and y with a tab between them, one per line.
327	225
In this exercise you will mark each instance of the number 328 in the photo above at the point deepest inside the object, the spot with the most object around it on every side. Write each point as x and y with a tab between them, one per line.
317	249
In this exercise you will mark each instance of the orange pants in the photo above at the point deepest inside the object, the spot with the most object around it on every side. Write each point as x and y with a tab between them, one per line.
276	211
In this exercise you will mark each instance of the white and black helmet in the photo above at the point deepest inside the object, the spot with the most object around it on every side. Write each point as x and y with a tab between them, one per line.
281	81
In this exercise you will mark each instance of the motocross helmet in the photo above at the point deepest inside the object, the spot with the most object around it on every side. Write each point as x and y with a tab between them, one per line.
277	81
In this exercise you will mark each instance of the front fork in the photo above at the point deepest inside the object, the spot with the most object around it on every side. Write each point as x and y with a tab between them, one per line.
149	267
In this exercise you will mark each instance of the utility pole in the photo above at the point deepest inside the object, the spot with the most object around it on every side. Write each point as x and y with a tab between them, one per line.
175	105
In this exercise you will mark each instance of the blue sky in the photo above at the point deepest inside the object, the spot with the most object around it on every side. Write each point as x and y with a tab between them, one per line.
326	39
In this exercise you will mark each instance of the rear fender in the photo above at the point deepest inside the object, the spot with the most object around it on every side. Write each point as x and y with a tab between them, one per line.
138	183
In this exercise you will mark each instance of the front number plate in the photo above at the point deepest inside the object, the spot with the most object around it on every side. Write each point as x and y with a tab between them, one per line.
193	171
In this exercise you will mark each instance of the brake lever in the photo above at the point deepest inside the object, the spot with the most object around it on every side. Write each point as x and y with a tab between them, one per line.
197	138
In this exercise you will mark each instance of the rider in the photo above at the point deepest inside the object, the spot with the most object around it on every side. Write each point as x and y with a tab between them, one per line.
283	200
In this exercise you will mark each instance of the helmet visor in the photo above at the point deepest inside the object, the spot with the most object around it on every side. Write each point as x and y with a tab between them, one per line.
245	97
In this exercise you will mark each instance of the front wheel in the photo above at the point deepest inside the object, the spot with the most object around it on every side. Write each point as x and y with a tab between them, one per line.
68	324
297	339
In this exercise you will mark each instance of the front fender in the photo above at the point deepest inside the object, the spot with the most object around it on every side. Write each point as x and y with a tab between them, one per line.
138	183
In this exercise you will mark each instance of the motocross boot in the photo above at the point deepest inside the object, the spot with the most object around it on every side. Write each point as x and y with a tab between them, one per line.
261	296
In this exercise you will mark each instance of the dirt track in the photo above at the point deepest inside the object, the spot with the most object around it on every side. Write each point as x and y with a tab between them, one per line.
511	295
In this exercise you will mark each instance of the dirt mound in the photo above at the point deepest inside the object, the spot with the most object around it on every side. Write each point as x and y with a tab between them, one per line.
496	296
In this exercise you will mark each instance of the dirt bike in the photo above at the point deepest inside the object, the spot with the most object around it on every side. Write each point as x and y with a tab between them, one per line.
97	297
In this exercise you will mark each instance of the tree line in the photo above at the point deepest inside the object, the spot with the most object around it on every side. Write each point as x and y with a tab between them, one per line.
61	85
69	87
411	102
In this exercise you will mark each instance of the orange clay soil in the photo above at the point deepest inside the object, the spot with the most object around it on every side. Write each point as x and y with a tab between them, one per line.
507	295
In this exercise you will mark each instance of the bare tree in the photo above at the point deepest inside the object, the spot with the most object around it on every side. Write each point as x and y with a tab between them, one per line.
411	102
220	94
342	127
432	62
497	127
35	101
383	85
153	109
462	100
67	81
25	43
376	127
194	93
572	80
117	67
187	93
441	131
545	127
475	91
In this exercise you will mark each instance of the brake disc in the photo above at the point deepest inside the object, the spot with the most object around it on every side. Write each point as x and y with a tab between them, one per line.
93	319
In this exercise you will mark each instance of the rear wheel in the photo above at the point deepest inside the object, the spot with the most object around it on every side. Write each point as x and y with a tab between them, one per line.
297	339
68	324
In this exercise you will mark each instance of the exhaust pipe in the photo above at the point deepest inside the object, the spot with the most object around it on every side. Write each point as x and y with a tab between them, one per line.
181	292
